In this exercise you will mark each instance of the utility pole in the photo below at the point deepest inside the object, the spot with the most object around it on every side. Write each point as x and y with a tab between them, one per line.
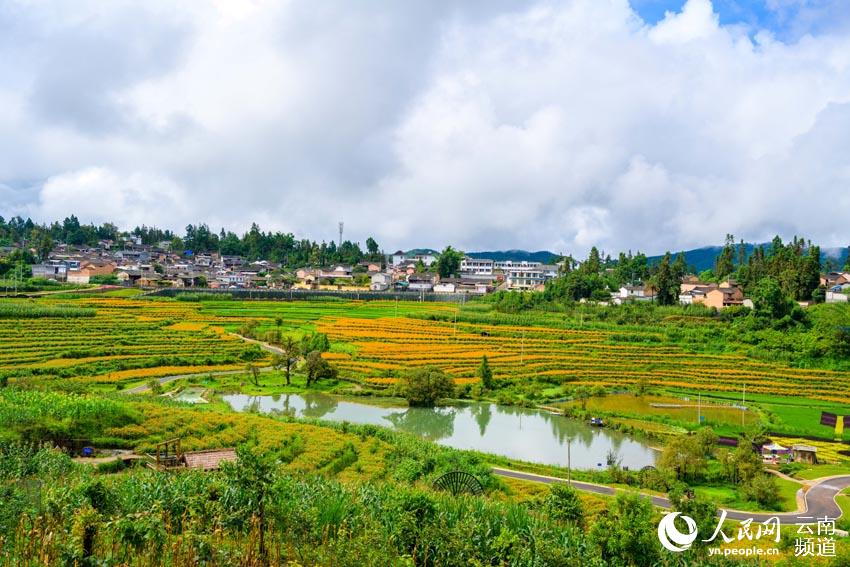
341	224
522	349
699	408
569	462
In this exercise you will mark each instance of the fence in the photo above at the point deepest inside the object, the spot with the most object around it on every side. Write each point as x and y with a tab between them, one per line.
310	294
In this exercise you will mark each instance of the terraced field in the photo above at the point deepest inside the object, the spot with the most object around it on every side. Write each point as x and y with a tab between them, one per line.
581	357
133	339
126	340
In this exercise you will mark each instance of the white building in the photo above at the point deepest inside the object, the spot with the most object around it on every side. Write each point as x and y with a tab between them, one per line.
506	265
477	266
529	275
835	295
381	282
400	258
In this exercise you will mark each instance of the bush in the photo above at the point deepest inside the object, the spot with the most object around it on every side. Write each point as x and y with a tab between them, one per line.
564	505
762	489
424	386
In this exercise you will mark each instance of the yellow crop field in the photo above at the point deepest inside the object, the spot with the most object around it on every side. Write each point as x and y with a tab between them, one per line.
581	357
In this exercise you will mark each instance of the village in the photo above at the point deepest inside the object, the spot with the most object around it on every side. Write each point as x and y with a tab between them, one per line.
130	263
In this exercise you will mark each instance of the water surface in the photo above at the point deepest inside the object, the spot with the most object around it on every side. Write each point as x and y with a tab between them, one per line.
519	433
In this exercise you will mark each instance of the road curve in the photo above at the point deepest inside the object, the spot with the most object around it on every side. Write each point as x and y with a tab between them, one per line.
820	498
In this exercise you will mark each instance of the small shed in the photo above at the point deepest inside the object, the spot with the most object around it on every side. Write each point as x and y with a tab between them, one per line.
805	454
774	449
170	456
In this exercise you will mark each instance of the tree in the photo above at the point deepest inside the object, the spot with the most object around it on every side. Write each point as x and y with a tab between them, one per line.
287	358
373	250
317	368
700	508
485	374
724	265
248	482
667	282
582	394
686	456
563	504
625	533
743	464
424	386
315	341
762	489
771	304
448	263
253	373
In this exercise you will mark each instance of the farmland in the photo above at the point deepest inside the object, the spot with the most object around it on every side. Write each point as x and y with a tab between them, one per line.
68	364
107	342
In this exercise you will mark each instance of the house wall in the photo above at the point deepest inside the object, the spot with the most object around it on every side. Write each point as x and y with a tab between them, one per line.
77	277
714	299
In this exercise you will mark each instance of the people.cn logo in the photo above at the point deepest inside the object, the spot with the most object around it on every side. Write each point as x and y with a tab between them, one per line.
670	536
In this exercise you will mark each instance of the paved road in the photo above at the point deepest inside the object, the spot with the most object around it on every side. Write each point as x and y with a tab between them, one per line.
820	498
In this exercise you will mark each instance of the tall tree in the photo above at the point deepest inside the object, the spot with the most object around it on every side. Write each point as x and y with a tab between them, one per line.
725	263
317	368
448	263
485	373
667	282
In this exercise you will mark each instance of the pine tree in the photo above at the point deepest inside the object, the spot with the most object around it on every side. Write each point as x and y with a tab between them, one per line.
485	373
724	265
667	282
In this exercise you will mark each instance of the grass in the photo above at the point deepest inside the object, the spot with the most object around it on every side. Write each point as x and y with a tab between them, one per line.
271	383
811	472
726	496
791	415
843	501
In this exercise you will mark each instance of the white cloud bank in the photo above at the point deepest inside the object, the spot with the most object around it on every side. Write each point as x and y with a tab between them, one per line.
557	125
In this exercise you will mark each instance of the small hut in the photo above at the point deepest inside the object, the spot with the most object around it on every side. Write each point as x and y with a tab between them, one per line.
169	456
805	454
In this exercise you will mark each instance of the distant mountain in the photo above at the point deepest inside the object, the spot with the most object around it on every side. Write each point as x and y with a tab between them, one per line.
543	256
703	258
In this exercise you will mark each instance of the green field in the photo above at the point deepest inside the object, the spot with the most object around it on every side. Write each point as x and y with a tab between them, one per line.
67	363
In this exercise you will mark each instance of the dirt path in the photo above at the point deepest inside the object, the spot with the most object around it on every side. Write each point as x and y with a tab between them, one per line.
166	379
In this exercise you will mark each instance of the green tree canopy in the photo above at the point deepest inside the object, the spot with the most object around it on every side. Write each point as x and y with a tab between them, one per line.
424	386
485	373
448	263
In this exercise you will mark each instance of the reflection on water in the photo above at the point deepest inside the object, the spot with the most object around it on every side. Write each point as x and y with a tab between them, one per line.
518	433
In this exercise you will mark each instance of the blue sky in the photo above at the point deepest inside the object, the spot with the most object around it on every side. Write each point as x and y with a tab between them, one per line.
787	19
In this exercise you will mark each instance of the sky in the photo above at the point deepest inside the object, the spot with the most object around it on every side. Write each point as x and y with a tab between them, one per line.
486	124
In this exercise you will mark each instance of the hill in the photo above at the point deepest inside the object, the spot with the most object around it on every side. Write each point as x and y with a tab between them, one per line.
703	258
543	256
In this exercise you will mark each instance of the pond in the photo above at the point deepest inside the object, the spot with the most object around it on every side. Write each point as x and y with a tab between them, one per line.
518	433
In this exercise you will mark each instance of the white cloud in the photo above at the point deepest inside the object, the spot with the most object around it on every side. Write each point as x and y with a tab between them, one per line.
97	194
558	125
697	20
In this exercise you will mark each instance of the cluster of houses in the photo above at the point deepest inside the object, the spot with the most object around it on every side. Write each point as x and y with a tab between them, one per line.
718	295
134	264
477	275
